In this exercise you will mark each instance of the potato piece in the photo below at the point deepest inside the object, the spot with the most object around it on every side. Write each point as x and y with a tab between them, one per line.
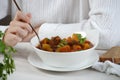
75	37
86	46
46	47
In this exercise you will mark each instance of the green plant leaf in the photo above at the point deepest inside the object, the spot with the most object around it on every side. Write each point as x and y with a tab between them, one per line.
7	66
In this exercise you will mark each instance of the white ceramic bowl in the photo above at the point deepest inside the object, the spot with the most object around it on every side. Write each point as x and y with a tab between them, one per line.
66	59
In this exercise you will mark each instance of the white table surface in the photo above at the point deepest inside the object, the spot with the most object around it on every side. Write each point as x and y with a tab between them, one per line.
25	71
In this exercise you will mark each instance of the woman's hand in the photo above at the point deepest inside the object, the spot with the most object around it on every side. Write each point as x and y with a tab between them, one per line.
19	29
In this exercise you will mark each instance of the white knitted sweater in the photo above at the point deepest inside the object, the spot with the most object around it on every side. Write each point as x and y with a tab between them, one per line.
103	15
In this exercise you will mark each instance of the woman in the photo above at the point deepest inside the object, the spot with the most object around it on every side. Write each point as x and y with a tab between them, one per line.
76	15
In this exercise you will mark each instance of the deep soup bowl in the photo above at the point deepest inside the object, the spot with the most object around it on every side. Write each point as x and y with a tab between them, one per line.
66	59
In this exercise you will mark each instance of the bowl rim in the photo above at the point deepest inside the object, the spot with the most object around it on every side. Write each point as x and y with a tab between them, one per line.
92	48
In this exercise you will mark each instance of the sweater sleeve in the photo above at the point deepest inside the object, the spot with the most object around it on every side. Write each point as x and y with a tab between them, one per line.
103	16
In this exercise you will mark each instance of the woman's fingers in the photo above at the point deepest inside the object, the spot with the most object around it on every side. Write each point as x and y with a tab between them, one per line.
21	24
29	15
30	35
18	31
14	35
22	17
11	39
